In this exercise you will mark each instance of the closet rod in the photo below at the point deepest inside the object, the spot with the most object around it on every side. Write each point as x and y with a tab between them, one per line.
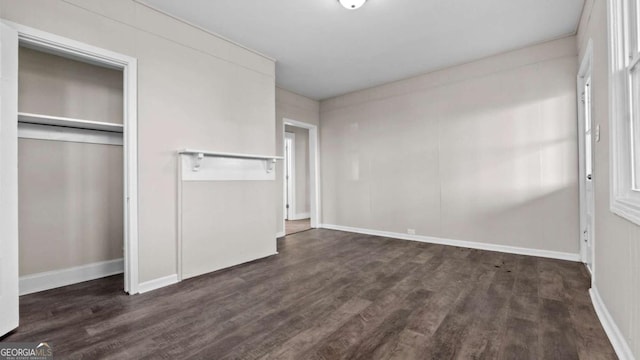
68	122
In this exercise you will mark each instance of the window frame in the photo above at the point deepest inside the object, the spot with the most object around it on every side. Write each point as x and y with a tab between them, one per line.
624	201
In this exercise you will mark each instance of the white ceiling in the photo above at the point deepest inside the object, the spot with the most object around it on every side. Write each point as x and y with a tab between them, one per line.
324	50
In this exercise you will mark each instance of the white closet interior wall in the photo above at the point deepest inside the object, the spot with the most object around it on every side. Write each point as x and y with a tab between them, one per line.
70	193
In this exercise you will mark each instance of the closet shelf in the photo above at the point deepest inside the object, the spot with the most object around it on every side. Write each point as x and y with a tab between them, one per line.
68	122
198	155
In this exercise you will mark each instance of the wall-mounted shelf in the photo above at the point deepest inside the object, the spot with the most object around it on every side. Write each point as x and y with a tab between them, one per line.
68	122
198	155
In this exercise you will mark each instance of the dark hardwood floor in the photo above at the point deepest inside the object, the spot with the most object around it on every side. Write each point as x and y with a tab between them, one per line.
334	295
296	226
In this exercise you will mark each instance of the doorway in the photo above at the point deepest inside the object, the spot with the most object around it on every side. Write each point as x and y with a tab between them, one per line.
300	182
296	180
17	126
587	137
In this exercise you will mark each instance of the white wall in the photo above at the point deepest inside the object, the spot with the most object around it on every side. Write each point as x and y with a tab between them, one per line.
70	204
245	234
617	241
294	107
483	152
301	177
194	90
53	85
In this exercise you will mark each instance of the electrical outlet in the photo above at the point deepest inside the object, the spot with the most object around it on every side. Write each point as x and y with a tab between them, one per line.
411	231
598	133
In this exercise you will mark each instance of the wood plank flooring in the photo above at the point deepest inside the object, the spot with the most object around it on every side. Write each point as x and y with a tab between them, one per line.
295	226
334	295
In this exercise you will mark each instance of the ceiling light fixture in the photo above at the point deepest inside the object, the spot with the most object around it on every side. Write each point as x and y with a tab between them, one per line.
352	4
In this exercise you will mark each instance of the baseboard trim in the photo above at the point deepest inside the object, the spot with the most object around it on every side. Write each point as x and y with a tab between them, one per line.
300	216
281	234
618	341
53	279
157	283
459	243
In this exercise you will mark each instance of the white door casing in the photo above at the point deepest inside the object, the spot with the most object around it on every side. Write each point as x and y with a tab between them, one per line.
289	175
9	312
586	140
14	34
314	169
587	230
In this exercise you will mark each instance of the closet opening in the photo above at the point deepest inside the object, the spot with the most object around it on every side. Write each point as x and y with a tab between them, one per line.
71	169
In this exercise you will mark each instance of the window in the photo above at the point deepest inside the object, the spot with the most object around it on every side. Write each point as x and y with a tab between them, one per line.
624	51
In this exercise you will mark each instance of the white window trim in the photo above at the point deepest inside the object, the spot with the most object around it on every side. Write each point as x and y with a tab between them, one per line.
623	200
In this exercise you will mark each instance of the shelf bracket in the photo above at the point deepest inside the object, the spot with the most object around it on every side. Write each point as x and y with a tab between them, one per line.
197	161
270	165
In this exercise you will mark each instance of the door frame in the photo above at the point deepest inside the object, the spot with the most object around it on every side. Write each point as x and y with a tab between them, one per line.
290	184
584	73
314	170
69	48
9	257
